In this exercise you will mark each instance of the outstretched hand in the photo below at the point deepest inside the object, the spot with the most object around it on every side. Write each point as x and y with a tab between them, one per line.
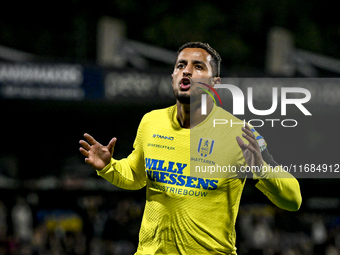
251	152
97	155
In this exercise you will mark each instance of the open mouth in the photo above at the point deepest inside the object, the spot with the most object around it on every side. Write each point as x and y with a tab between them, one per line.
185	84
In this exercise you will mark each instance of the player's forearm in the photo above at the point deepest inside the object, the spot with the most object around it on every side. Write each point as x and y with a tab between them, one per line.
120	174
281	188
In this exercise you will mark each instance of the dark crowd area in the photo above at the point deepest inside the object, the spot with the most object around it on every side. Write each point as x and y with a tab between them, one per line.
102	223
59	222
70	68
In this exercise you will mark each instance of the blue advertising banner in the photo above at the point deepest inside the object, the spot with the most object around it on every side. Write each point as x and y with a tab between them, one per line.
50	81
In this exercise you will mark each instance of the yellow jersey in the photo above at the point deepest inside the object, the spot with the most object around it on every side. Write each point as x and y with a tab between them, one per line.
189	210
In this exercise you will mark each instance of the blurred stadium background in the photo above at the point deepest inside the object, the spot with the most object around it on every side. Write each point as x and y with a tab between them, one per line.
70	67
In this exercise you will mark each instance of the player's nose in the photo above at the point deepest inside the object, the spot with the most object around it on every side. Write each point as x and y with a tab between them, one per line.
187	72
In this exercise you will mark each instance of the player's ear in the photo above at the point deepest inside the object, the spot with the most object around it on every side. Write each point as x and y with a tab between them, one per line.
216	80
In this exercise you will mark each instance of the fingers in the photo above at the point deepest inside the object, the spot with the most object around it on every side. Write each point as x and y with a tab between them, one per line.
92	149
249	135
240	142
112	144
85	148
87	161
253	147
84	152
244	146
248	131
85	145
90	139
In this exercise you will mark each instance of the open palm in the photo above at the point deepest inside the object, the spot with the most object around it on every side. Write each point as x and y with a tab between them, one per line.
97	155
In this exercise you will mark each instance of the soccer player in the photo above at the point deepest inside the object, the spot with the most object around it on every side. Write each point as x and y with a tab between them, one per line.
187	210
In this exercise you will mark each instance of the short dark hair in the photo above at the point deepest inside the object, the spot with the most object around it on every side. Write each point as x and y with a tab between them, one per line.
216	59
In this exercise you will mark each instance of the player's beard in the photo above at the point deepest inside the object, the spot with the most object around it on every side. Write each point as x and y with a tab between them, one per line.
181	97
185	98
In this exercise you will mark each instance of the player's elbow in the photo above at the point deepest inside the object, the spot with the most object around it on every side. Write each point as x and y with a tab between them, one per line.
290	201
290	204
294	202
297	198
136	186
292	195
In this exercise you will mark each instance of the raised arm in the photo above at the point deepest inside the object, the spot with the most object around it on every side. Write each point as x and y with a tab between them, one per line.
96	155
279	186
121	173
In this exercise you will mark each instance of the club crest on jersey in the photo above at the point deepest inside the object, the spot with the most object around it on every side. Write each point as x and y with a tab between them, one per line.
205	147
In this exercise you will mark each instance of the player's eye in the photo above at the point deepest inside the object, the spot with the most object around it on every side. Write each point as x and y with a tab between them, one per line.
199	67
180	65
